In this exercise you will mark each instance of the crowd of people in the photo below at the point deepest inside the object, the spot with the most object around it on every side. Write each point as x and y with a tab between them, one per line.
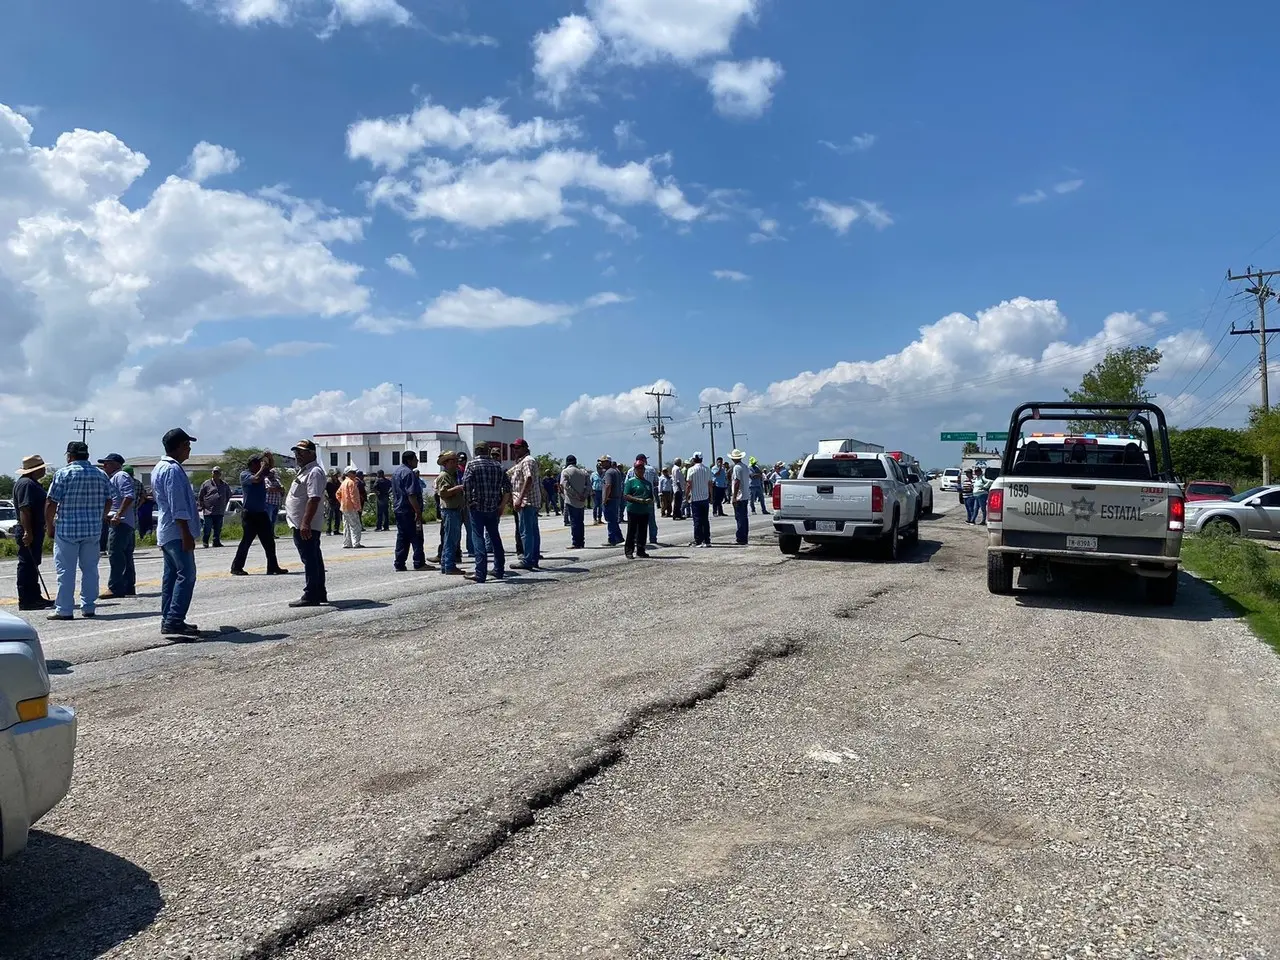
470	497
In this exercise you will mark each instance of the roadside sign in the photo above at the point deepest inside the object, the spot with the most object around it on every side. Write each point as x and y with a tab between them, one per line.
960	437
1001	435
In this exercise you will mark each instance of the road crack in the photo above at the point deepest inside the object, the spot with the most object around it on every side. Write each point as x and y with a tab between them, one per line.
486	826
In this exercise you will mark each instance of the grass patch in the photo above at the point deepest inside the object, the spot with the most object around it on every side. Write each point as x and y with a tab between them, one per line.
1246	573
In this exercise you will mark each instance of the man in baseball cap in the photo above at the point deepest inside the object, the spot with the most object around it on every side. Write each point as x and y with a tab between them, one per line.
121	523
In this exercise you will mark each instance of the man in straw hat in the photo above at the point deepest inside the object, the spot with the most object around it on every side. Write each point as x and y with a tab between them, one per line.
29	498
451	494
740	487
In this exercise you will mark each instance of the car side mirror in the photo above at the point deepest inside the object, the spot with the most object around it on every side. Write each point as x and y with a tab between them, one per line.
1254	502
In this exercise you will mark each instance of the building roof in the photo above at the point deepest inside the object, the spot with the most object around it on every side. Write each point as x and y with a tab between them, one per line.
492	422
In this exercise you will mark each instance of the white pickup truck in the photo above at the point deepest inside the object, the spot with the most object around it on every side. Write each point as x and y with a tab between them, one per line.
1081	498
837	498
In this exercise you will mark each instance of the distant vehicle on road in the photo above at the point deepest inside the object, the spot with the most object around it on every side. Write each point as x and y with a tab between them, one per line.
9	524
1253	513
37	740
848	445
950	480
844	497
1209	490
1087	498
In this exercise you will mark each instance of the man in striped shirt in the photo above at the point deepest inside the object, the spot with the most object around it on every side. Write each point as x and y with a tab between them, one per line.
699	490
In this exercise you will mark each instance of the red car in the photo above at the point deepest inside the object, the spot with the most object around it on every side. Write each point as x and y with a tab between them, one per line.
1209	490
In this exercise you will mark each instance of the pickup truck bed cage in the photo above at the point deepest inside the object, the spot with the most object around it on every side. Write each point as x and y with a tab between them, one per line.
1130	462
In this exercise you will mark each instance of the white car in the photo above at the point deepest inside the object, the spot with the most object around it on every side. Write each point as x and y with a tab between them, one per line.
8	520
950	480
37	740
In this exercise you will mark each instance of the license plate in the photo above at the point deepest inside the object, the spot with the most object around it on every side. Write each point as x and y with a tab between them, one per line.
1082	543
826	526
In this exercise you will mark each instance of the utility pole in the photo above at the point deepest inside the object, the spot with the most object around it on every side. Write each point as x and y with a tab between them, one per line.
82	424
659	430
730	405
712	422
1263	292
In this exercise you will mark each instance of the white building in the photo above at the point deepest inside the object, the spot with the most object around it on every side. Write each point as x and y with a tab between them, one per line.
372	452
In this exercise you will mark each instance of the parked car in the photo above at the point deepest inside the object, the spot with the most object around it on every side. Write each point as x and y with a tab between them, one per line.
1209	490
1087	499
950	480
1253	513
8	520
37	739
843	497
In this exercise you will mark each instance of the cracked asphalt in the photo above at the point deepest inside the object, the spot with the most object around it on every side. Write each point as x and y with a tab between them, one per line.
719	753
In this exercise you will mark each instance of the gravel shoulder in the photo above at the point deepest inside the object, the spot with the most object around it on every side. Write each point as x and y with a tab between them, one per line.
936	772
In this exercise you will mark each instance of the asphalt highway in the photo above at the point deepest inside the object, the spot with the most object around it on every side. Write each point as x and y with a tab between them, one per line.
715	753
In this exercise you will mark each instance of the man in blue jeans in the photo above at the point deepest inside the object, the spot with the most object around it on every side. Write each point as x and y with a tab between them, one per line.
74	513
575	488
487	489
175	533
612	494
121	539
304	509
449	494
526	500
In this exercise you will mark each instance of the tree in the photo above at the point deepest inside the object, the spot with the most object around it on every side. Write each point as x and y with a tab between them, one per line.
6	486
547	464
1215	453
1262	437
1120	377
970	448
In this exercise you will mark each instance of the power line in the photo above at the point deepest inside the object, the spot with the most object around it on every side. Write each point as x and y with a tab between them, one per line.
82	424
729	405
711	422
659	431
1262	292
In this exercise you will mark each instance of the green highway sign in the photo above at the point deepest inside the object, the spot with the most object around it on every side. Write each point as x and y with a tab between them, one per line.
1001	435
960	437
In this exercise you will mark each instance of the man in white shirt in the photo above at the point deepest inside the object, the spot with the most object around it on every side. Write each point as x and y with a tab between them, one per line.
698	484
678	486
740	491
303	510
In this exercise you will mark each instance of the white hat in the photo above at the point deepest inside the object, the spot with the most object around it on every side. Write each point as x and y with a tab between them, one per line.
736	454
350	469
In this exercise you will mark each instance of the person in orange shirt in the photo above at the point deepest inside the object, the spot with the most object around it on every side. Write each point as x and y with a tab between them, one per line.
351	502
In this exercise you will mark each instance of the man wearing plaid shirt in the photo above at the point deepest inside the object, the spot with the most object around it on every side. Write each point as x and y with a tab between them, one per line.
526	501
487	489
79	499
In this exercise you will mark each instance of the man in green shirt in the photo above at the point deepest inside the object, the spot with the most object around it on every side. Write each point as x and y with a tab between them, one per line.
449	489
638	495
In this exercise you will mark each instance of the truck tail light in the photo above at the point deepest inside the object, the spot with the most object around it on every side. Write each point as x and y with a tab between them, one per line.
777	495
877	499
995	506
1177	513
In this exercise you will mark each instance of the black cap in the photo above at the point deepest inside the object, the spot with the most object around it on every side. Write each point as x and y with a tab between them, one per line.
571	460
78	448
308	445
641	456
113	458
176	436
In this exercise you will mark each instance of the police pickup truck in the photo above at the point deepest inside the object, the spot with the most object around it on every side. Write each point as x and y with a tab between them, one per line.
1083	498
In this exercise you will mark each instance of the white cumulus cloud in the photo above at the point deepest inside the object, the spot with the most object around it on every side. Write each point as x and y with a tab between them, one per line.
641	32
400	264
324	15
560	54
86	280
210	160
858	143
840	217
737	276
745	88
390	142
469	308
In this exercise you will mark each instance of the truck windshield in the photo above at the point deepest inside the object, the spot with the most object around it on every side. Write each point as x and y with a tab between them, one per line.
844	470
1057	458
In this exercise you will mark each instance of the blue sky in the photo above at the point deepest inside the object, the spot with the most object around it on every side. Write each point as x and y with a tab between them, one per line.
586	199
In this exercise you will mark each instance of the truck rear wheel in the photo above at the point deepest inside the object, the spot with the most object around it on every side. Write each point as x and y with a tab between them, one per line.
789	544
999	573
1163	591
889	543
